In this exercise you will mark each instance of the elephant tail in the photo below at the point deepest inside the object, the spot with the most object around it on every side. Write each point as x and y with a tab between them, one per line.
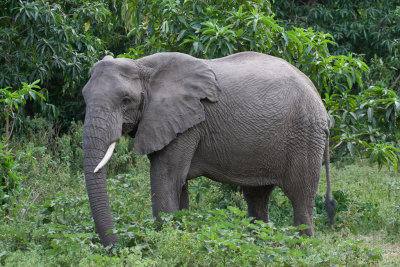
330	204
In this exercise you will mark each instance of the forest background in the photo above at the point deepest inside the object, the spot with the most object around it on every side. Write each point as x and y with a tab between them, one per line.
349	49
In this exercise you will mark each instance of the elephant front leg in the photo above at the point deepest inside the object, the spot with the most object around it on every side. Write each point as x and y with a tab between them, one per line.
166	188
168	176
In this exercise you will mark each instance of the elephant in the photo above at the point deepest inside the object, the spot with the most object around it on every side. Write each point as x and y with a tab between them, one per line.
248	119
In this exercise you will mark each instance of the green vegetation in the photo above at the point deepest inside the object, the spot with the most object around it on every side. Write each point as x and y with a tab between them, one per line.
56	42
368	28
349	49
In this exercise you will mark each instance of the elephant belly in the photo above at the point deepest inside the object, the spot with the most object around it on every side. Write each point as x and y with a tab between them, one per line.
255	156
248	164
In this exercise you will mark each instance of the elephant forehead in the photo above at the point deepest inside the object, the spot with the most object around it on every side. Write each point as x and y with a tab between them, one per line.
117	66
104	86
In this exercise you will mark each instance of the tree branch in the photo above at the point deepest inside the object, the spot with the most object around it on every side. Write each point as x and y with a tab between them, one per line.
337	146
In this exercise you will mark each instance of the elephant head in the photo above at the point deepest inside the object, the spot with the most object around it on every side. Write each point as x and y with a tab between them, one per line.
153	99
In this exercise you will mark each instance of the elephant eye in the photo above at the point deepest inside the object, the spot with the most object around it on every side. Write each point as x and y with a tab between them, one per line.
126	101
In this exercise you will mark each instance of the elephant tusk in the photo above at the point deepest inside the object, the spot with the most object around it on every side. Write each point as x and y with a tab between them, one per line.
106	158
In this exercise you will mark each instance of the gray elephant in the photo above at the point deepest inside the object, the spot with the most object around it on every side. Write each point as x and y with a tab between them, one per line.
248	119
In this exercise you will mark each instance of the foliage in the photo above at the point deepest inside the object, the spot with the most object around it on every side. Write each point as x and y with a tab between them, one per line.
10	178
367	27
56	42
362	27
366	122
48	41
11	103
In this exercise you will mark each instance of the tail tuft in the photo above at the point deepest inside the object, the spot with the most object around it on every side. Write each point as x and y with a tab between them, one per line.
330	207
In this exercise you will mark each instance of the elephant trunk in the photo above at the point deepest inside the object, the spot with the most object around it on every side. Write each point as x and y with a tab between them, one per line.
97	138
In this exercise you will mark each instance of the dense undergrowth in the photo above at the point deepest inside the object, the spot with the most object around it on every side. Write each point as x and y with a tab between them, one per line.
48	221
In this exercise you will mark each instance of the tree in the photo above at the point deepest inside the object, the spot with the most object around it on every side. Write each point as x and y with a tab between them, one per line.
56	42
369	28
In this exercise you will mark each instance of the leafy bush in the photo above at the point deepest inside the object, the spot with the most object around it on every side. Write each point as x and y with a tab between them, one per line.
228	237
11	103
363	27
49	41
10	178
57	42
366	122
366	119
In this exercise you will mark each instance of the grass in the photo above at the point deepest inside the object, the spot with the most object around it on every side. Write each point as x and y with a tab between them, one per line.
373	208
48	222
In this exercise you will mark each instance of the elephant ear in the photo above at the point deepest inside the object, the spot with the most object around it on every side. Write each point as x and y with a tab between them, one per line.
176	85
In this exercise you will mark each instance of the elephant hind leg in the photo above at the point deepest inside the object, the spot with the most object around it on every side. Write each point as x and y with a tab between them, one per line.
303	209
302	197
257	199
300	186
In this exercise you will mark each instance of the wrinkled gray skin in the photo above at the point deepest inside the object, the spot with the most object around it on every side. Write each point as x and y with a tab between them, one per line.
248	119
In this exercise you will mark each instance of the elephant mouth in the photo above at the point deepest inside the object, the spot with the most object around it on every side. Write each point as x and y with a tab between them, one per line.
127	128
130	129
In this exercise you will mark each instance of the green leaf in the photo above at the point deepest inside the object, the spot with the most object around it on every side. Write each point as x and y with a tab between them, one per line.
397	105
131	32
180	35
182	20
370	114
303	227
388	113
87	25
350	147
33	95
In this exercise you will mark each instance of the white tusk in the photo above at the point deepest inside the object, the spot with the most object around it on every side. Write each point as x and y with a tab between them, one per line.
106	158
